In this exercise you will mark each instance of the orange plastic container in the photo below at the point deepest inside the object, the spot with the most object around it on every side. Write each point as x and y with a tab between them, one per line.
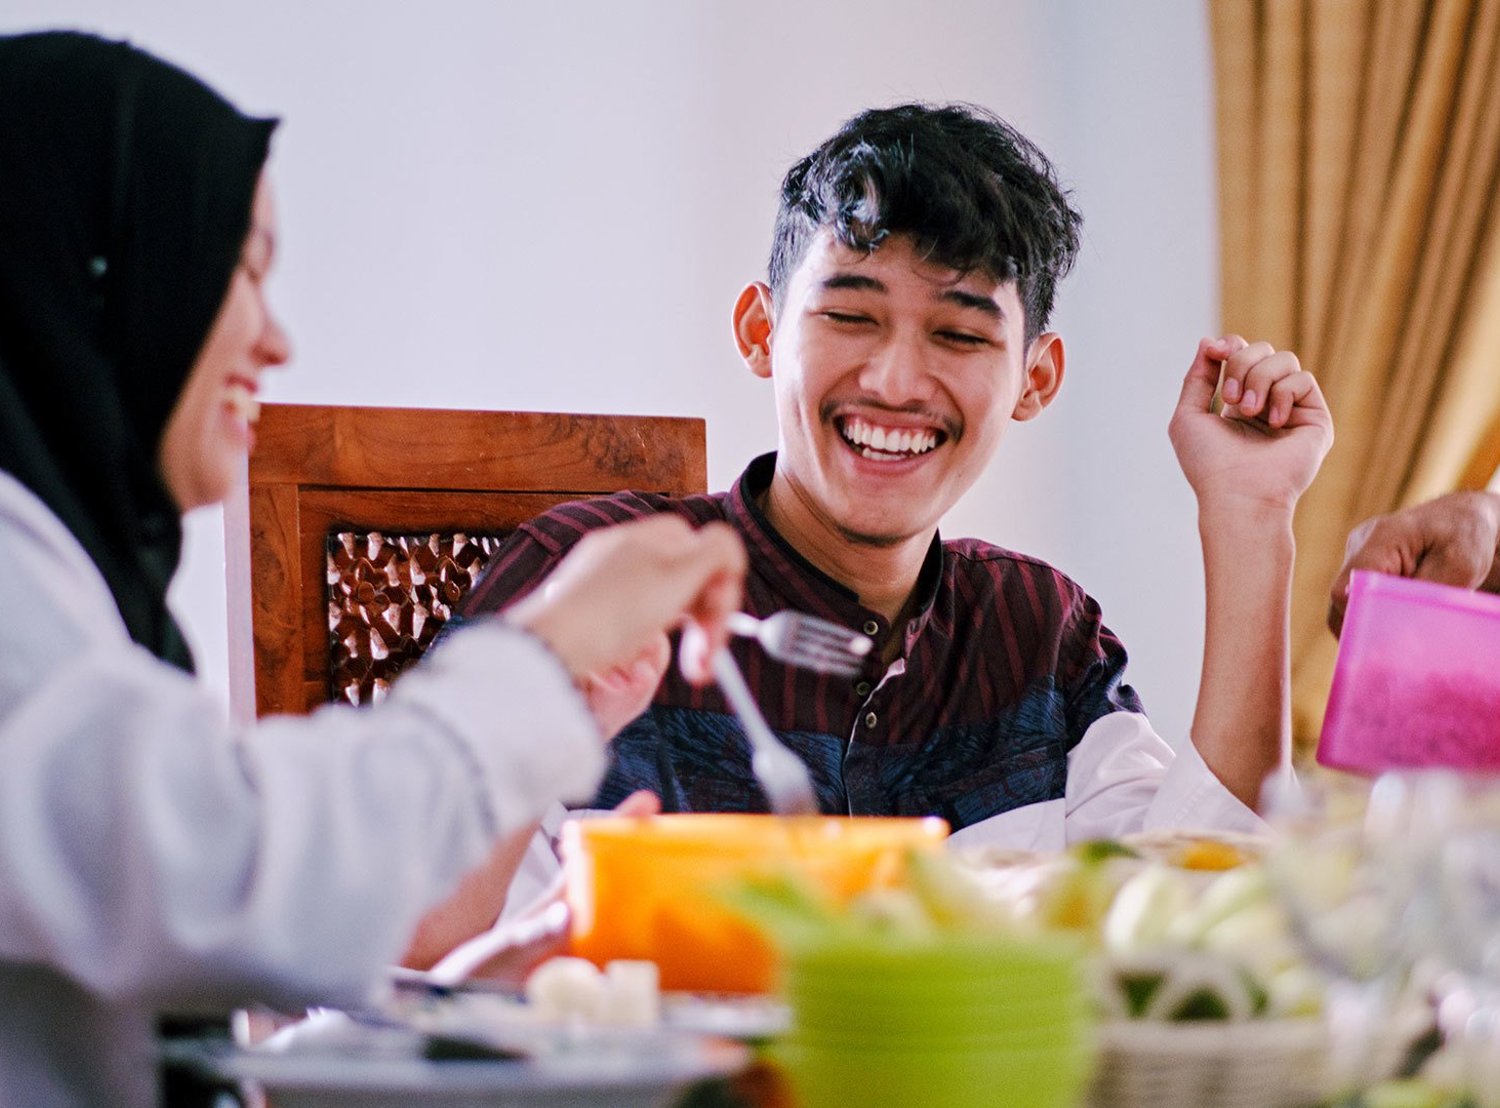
649	888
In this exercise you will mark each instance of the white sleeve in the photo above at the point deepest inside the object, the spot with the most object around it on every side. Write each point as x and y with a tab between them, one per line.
1124	777
148	849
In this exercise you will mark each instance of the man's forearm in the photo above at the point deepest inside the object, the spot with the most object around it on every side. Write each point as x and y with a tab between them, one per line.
1242	725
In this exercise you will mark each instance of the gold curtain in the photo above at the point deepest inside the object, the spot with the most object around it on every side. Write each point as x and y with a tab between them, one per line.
1359	163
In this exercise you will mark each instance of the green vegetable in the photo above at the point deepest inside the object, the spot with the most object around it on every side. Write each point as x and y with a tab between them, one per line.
1145	909
1075	898
951	896
894	912
786	907
1094	851
1410	1093
1260	996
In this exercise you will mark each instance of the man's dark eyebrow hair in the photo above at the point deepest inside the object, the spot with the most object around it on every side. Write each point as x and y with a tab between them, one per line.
954	296
974	300
853	281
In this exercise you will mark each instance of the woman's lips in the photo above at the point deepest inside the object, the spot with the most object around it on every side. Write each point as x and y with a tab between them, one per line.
239	398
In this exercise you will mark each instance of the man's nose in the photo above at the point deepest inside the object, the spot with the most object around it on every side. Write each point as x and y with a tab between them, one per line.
897	371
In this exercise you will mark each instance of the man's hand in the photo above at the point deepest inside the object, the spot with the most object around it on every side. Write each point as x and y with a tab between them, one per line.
1454	540
611	599
621	693
469	914
1267	442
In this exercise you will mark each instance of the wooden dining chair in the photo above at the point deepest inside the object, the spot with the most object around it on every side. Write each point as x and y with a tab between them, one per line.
359	529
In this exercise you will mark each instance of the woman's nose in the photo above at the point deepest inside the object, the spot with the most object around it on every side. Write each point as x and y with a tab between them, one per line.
275	347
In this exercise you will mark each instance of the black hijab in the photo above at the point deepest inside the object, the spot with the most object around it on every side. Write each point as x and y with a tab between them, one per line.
125	196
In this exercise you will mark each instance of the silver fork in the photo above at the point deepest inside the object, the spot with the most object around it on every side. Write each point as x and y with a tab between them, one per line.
802	640
782	775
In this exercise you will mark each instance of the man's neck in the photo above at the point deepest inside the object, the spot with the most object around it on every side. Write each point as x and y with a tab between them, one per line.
883	576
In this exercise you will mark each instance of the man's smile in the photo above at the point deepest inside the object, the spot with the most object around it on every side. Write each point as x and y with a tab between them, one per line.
887	442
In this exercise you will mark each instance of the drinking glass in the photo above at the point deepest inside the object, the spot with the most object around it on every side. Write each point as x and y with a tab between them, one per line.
1347	867
1464	883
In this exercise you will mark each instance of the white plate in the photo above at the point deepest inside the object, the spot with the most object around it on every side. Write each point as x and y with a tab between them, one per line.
621	1078
746	1018
504	1014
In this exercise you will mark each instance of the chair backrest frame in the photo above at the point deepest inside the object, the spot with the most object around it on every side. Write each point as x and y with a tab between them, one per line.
318	469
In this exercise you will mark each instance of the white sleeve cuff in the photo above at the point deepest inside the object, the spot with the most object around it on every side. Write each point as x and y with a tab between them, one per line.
1124	777
1192	797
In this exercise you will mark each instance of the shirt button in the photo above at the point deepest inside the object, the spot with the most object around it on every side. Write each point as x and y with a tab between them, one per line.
862	689
871	719
871	627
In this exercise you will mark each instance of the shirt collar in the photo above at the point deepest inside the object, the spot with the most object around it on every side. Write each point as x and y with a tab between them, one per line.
768	548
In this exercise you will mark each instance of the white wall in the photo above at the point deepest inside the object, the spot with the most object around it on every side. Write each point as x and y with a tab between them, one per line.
553	206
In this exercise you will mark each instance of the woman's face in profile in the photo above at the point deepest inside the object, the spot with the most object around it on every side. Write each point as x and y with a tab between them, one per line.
210	429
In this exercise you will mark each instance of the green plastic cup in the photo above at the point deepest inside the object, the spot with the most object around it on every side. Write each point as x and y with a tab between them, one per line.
952	1020
835	1078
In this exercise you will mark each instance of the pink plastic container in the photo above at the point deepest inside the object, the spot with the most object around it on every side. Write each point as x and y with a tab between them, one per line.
1417	681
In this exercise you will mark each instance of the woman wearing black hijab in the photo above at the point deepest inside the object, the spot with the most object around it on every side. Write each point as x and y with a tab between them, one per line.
151	859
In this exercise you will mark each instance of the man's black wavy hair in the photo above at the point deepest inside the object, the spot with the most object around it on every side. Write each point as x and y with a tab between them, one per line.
971	191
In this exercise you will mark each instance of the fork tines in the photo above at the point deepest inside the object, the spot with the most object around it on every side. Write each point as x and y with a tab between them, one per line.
832	658
807	641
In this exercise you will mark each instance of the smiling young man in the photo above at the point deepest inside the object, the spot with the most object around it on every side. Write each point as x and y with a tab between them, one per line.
903	328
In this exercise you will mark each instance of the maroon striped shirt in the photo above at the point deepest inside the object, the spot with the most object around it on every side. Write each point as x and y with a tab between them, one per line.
1006	665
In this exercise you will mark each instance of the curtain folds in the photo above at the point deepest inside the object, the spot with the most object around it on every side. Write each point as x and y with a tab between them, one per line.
1359	163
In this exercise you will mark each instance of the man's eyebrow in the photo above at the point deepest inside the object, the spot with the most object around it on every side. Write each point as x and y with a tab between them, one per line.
862	282
852	281
974	300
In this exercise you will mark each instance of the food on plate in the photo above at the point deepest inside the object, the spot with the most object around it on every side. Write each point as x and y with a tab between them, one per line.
626	994
1101	850
1145	910
1168	942
1198	850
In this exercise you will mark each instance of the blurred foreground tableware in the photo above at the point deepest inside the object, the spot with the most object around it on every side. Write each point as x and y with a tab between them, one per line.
653	888
1417	681
1350	868
1243	1064
951	1020
626	1072
1463	883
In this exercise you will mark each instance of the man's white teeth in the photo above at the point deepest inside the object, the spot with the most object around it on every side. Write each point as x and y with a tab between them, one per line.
888	440
242	403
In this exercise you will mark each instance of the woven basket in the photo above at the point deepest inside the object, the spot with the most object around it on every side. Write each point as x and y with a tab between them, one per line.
1251	1064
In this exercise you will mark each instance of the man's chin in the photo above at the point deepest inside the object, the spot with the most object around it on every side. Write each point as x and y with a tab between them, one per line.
874	540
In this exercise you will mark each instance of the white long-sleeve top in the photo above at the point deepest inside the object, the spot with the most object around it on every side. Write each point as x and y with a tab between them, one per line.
152	857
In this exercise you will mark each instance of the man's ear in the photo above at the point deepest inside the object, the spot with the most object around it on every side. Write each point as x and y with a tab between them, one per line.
753	321
1044	375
